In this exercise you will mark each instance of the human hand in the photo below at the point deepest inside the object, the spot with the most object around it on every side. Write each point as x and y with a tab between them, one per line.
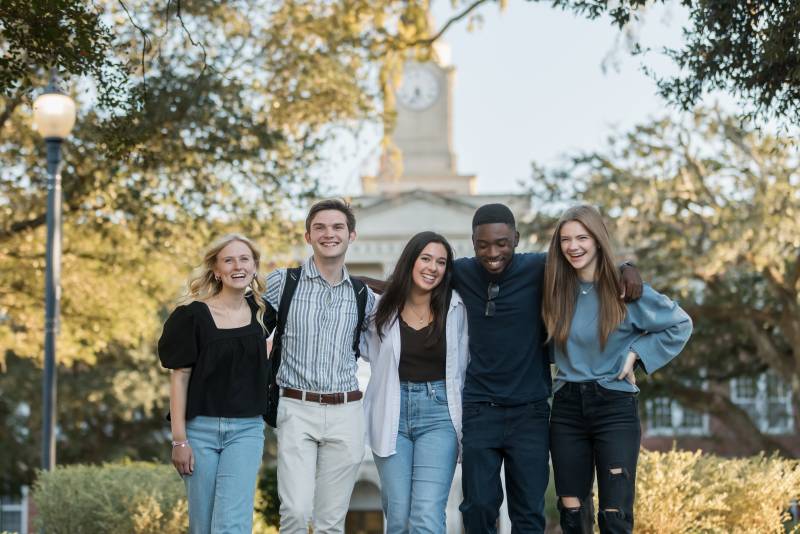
183	459
377	286
631	283
627	369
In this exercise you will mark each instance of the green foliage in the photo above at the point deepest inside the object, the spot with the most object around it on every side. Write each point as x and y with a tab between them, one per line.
269	505
748	49
127	498
111	410
194	119
711	211
66	33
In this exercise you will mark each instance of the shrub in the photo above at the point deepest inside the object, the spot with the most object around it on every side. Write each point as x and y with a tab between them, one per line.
132	497
679	492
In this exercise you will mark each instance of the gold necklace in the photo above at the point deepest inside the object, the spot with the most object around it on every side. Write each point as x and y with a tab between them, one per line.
420	317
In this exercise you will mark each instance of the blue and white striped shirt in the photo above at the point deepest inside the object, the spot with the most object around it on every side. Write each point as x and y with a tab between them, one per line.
317	346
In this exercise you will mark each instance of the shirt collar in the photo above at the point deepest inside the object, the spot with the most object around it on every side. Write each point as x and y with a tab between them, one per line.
310	271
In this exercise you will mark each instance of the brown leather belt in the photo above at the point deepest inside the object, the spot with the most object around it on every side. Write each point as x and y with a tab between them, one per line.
322	398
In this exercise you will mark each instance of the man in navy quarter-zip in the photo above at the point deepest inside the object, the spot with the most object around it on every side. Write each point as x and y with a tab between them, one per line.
506	413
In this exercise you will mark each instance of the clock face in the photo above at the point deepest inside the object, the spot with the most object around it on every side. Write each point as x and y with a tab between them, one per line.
419	89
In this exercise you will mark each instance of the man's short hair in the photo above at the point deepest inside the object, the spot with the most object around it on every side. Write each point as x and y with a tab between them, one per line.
332	204
493	213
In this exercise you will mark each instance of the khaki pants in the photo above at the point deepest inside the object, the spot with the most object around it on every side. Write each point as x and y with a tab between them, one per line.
320	448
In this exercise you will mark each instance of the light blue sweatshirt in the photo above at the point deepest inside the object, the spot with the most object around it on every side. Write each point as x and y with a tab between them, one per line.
655	328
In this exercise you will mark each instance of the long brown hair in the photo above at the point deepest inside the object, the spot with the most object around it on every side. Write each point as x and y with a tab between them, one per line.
561	284
203	285
399	286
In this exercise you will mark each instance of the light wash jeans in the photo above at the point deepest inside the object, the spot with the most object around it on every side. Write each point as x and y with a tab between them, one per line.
227	456
416	480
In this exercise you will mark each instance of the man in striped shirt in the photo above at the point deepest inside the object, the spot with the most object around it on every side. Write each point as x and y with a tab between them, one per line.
320	421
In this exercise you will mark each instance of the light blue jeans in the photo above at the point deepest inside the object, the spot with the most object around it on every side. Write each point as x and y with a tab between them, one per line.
227	456
416	480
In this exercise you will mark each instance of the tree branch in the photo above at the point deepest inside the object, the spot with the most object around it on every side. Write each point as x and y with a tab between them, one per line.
21	226
733	417
189	35
766	349
453	20
146	43
794	272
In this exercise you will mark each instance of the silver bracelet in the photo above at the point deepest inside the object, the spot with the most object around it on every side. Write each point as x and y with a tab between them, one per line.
183	443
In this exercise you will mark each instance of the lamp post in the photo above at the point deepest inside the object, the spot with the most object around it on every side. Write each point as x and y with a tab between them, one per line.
53	117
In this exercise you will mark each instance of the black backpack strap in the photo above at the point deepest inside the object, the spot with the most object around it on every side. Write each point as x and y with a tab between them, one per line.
273	391
289	287
360	289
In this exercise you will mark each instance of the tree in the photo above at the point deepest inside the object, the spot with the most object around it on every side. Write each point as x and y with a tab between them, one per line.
711	211
195	119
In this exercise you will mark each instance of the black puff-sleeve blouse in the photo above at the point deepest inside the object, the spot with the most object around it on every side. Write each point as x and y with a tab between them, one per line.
229	365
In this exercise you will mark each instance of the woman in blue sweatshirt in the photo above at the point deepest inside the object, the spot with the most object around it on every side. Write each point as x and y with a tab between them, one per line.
597	341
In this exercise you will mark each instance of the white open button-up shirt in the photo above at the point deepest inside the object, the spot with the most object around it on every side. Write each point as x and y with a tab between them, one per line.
382	399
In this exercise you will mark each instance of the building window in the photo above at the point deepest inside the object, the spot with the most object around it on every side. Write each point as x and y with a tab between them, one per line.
767	400
14	512
666	417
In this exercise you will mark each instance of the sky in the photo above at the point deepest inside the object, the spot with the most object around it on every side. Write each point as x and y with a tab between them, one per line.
530	86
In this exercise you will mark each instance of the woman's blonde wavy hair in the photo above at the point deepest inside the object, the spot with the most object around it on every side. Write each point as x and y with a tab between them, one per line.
561	284
202	283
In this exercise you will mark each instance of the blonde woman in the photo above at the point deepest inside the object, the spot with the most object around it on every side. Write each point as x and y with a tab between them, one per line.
215	345
597	340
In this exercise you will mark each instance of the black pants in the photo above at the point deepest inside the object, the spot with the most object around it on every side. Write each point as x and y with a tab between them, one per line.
593	427
515	436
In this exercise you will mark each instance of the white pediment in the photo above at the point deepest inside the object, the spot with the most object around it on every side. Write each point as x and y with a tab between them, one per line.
385	223
404	215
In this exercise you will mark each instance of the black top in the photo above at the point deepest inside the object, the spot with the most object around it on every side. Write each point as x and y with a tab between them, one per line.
508	361
421	359
229	365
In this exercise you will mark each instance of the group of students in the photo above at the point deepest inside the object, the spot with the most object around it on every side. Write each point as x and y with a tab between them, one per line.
460	353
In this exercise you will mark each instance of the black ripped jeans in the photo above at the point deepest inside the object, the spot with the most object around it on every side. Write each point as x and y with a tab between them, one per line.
595	428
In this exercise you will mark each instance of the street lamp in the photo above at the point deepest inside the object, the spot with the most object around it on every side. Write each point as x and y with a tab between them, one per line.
53	117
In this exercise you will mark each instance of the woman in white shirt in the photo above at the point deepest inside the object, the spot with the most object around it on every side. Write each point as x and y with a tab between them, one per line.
418	353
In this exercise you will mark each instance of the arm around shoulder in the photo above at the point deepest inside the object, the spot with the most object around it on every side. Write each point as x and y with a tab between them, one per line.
370	342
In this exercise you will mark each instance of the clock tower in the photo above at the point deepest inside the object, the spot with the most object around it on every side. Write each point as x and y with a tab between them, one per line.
417	190
423	135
